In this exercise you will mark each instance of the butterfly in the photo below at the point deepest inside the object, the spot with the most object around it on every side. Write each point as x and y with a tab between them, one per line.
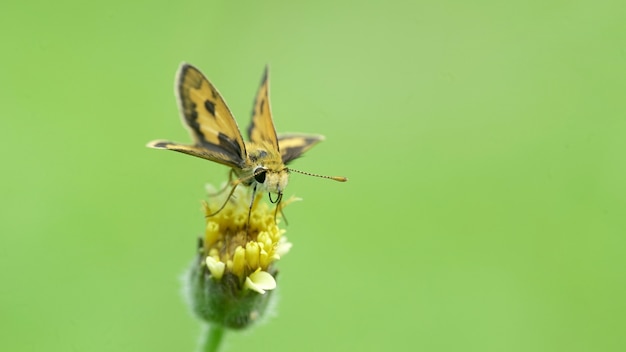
260	163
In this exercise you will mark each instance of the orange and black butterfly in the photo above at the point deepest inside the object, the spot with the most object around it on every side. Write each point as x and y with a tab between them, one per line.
261	162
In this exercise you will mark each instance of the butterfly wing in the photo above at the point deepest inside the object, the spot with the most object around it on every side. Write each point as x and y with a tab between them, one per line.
293	145
215	155
208	119
262	127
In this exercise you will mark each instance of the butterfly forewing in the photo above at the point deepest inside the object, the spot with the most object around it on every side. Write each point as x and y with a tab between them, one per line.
207	117
261	128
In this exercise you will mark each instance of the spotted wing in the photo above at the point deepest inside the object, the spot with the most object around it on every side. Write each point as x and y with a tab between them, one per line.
262	127
293	145
208	119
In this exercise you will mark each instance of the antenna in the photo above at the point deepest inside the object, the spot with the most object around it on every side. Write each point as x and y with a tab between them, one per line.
336	178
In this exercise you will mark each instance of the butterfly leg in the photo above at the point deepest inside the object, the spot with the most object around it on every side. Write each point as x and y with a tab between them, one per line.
251	204
282	214
279	208
230	181
235	184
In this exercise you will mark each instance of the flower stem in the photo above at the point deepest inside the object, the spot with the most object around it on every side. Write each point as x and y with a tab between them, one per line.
212	338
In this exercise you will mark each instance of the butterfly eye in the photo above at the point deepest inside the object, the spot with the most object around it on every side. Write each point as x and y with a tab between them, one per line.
259	174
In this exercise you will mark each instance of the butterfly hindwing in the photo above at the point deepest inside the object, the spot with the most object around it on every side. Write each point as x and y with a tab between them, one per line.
208	119
293	145
261	128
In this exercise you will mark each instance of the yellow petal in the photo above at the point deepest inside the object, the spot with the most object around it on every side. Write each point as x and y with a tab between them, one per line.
264	238
252	254
215	267
264	259
211	233
260	281
239	261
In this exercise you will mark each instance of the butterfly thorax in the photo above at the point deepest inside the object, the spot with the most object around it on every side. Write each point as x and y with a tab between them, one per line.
266	164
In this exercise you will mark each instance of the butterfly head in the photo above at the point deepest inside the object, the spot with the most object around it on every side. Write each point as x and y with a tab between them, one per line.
273	180
268	170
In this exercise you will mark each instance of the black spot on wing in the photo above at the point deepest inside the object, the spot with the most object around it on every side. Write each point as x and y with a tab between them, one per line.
192	121
251	126
254	112
210	107
194	113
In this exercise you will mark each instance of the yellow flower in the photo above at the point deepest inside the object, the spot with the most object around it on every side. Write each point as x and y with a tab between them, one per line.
230	282
229	246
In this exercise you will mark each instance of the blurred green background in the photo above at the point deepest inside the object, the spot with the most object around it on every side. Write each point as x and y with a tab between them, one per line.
484	141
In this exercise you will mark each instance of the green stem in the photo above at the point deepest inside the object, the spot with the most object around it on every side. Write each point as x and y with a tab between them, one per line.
212	338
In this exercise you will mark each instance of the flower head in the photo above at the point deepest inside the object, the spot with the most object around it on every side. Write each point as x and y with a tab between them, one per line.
232	278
